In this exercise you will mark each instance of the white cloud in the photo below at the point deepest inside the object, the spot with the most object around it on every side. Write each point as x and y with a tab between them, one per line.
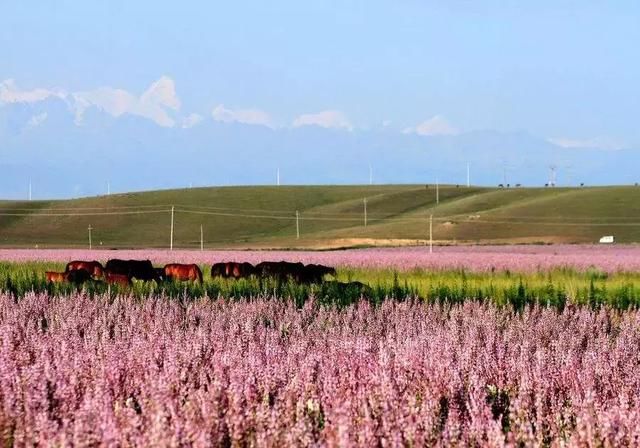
326	119
11	93
191	120
36	120
594	143
436	125
246	116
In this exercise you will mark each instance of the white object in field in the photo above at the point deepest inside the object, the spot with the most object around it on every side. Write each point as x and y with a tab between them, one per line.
607	239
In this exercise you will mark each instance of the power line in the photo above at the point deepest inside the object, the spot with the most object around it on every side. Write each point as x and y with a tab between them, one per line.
351	217
87	208
85	214
555	223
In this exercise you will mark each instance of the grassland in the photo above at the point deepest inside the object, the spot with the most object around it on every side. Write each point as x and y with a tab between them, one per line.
330	216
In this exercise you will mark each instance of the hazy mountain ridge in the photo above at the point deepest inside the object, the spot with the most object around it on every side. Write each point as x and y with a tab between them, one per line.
63	157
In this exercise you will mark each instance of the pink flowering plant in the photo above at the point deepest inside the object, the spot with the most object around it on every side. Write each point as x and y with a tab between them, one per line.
102	370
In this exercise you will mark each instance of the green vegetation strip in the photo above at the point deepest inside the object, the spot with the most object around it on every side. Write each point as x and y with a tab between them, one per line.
558	288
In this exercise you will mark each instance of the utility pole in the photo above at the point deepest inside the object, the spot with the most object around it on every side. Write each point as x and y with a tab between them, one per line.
431	233
297	225
108	188
468	182
90	228
29	189
365	212
171	235
552	177
201	239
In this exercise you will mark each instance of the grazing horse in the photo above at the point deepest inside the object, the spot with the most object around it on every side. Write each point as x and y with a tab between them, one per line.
77	277
232	269
55	277
92	267
281	270
314	273
219	270
116	279
138	269
190	272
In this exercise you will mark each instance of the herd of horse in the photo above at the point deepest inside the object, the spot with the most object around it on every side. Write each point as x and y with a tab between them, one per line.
123	272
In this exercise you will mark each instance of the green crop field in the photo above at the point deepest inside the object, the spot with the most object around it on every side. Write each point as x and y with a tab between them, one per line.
329	216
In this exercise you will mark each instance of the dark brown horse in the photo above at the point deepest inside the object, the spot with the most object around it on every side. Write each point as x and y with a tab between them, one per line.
189	272
314	273
281	270
138	269
232	269
94	268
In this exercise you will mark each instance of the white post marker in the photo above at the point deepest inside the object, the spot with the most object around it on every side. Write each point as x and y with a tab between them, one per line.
201	239
90	246
297	225
430	234
365	212
171	235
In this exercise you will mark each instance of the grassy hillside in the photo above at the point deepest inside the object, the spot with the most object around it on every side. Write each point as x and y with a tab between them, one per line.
330	216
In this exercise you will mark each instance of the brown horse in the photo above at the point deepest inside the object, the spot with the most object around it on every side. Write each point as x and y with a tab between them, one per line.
314	273
232	269
281	270
55	277
77	277
177	271
116	279
92	267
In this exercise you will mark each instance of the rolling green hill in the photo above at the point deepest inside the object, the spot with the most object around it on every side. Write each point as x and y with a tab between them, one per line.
329	216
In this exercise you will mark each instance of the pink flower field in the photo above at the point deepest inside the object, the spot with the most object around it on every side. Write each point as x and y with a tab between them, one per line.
126	372
475	258
78	370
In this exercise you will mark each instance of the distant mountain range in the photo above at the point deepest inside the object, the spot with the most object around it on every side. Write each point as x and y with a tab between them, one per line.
44	141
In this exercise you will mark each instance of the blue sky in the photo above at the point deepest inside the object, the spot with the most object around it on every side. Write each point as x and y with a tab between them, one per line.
566	70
